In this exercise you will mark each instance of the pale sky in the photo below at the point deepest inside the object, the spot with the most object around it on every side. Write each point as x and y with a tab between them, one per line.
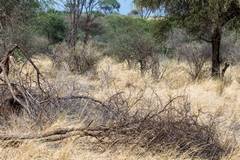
126	6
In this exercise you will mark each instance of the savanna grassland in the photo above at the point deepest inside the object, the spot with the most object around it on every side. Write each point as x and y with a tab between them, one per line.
169	118
86	82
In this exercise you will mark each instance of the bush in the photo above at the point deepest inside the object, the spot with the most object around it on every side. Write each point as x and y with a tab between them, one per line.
169	126
196	56
166	127
82	60
51	24
28	39
130	40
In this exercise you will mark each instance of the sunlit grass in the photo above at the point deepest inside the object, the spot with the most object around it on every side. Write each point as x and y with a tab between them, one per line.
218	99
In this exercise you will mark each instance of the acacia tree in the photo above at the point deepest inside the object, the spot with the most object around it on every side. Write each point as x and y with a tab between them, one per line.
145	8
91	15
108	6
204	19
75	9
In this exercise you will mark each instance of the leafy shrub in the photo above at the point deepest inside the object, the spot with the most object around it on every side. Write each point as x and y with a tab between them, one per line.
32	42
130	40
52	25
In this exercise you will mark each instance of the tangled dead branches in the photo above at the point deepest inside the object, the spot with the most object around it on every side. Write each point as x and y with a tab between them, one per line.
19	88
167	126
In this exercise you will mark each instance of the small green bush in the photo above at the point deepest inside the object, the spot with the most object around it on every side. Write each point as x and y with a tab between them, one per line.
130	40
52	26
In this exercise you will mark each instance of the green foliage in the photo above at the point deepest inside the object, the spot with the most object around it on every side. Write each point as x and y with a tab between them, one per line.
18	25
52	25
161	28
108	6
97	14
125	35
12	12
203	19
27	37
134	12
130	40
151	4
199	17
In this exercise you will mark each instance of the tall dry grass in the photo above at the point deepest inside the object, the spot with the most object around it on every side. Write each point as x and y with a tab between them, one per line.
172	118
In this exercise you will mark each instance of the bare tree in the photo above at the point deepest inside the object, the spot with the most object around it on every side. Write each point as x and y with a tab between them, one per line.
75	9
89	7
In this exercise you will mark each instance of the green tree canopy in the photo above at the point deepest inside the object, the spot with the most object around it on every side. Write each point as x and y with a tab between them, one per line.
108	6
52	25
130	40
204	19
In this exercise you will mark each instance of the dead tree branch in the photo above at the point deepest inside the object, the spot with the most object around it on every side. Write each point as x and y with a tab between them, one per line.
27	101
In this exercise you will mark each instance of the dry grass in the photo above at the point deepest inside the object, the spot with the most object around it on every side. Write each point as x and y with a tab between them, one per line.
173	118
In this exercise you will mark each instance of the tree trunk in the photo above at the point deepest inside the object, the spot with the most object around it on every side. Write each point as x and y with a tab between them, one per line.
87	29
155	67
216	42
74	27
73	39
143	66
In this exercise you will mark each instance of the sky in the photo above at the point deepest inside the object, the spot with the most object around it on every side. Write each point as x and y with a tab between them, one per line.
125	8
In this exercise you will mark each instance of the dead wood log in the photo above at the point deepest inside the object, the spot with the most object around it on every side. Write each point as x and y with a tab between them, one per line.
55	135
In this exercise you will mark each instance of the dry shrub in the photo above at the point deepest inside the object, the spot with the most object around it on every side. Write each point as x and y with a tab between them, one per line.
81	60
59	52
197	57
154	126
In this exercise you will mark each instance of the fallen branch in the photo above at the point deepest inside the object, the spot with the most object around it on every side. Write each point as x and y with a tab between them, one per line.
58	134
